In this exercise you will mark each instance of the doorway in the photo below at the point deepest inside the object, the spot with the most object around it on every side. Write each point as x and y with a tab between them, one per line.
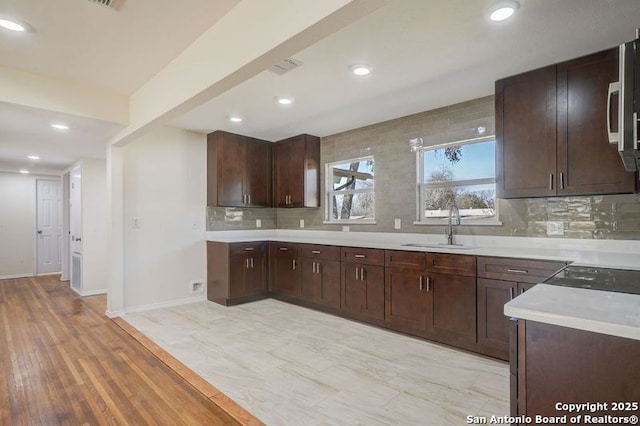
48	226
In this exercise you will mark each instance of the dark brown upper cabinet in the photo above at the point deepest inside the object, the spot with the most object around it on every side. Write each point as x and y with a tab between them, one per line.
238	171
551	135
296	172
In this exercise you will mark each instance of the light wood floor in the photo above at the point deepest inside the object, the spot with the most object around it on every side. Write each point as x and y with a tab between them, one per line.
63	362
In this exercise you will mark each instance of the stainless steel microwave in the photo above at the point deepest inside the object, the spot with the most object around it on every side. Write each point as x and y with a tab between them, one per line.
628	88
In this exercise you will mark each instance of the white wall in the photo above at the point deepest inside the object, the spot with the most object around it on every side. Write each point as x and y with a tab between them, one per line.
94	226
17	224
165	187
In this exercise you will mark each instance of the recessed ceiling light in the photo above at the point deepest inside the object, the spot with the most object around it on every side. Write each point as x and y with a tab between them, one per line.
503	10
13	24
284	100
24	172
235	119
360	69
33	157
59	126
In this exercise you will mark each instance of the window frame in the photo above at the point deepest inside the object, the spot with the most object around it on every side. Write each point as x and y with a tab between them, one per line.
421	185
329	193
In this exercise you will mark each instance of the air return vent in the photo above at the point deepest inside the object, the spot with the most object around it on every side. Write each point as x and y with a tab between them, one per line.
285	65
113	4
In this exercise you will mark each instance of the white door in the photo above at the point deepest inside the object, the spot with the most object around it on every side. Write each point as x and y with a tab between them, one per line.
75	210
48	226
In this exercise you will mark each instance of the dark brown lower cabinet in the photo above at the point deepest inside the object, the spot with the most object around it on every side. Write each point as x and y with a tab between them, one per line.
284	271
451	313
237	272
564	365
362	291
320	281
406	299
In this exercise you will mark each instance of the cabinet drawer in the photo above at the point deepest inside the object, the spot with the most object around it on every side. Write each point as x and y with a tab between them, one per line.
521	270
319	251
452	264
284	249
365	256
257	247
405	259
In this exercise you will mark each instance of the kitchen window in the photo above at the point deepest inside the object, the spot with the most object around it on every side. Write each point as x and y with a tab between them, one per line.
350	191
461	173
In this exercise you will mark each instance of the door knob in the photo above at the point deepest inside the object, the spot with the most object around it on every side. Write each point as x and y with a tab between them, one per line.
40	231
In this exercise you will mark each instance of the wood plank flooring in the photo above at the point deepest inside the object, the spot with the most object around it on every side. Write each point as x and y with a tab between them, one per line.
63	362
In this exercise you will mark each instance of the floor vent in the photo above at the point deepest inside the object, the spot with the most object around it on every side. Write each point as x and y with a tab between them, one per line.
113	4
76	271
285	65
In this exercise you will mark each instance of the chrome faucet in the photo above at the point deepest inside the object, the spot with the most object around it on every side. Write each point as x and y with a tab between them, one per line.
453	211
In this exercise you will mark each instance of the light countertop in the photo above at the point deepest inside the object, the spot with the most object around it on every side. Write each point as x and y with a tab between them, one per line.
606	312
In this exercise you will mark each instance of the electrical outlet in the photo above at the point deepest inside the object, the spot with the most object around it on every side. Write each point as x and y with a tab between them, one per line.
397	223
196	286
258	223
194	223
135	222
301	223
555	228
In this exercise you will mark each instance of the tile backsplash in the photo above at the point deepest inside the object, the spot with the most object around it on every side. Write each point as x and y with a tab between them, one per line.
605	217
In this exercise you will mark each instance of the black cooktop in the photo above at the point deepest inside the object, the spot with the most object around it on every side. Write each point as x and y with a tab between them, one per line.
605	279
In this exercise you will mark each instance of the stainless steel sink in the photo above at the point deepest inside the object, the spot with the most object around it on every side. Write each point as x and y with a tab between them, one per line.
440	245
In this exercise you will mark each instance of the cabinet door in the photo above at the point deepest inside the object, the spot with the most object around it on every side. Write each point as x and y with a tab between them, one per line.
526	134
230	160
452	299
587	162
296	174
256	275
284	269
257	180
310	281
363	291
283	174
247	270
405	304
329	283
493	325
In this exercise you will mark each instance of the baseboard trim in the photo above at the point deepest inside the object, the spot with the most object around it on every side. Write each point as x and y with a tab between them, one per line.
113	314
89	293
162	305
13	276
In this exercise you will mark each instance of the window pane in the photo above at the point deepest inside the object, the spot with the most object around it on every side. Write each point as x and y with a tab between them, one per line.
352	206
353	175
474	201
461	162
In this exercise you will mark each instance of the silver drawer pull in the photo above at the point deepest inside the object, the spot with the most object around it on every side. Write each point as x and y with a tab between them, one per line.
283	249
248	249
315	251
518	271
359	256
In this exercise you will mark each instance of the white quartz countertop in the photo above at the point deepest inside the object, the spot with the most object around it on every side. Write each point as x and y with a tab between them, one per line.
623	254
616	314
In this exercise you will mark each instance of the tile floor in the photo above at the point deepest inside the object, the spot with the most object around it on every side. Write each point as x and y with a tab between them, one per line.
289	365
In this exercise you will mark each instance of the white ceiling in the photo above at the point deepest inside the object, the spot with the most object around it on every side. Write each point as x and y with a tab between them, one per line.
425	54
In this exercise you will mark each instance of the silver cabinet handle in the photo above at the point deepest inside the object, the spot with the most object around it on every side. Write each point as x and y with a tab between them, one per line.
522	291
317	267
613	88
561	180
248	249
428	283
294	264
359	256
246	264
511	293
249	198
518	271
551	181
357	273
315	251
283	249
251	263
421	283
362	271
313	267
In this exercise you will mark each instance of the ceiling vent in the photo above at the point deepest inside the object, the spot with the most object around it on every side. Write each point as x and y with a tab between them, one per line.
285	65
113	4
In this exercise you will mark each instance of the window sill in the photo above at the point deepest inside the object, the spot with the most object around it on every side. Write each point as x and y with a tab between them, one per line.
487	222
